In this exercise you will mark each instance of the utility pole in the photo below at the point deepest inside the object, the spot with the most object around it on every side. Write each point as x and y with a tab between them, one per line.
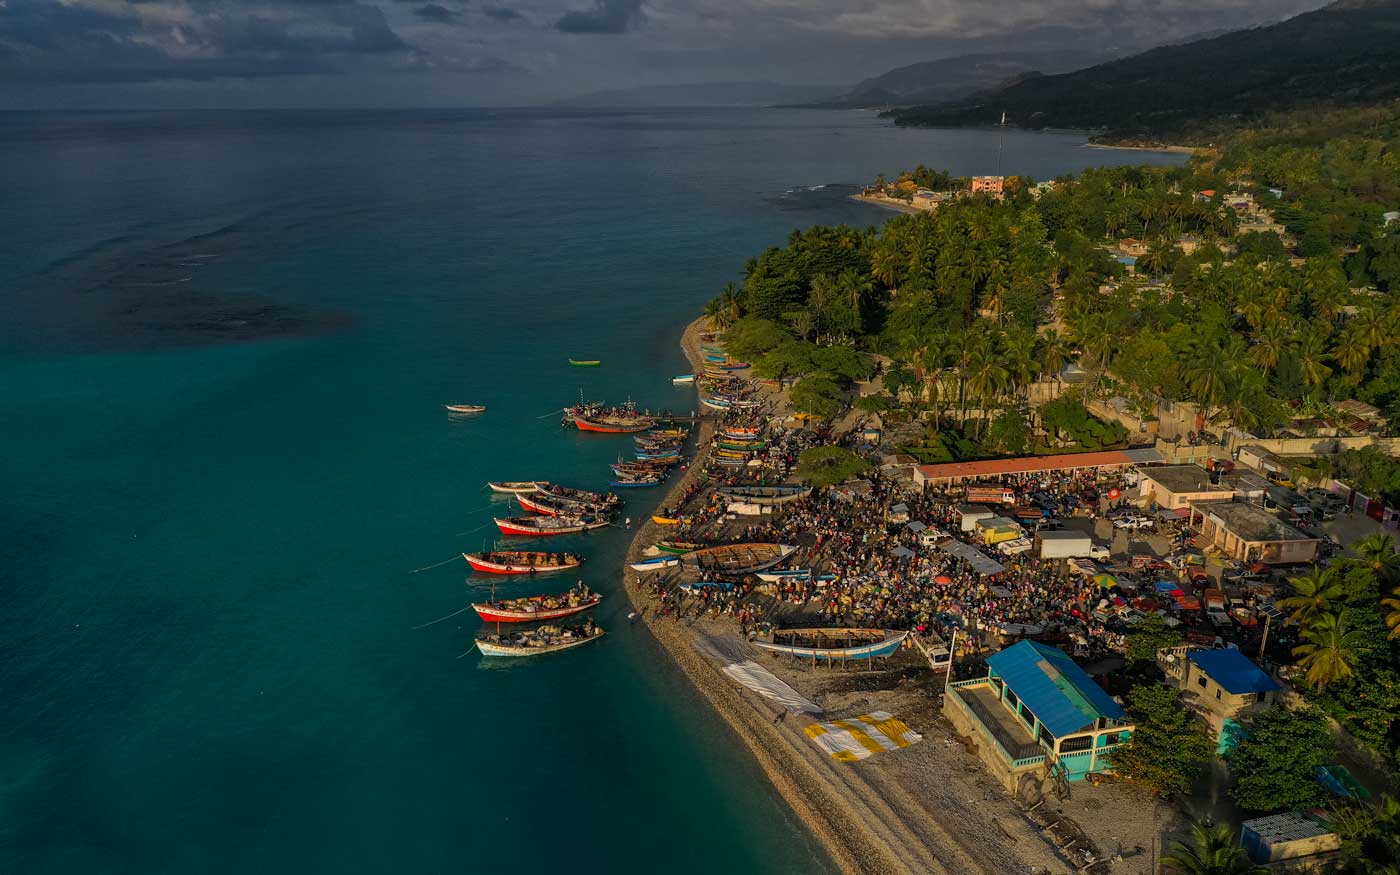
1264	642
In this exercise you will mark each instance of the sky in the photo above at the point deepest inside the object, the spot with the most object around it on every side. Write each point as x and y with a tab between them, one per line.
77	54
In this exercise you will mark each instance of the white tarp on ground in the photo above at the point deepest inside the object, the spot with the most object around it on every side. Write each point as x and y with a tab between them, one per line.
767	685
859	737
980	562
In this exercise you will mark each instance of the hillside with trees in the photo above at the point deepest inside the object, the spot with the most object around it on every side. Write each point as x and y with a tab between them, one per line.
1341	55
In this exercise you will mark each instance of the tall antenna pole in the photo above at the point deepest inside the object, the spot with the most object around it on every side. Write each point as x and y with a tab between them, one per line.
1001	141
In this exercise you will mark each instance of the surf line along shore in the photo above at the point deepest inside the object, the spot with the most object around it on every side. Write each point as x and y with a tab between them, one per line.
867	821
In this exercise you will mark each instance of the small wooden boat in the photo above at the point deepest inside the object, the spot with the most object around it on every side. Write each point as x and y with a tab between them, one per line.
660	456
677	548
738	558
663	520
634	469
582	496
740	432
742	445
637	481
513	487
464	408
655	563
721	358
671	432
766	496
546	639
585	363
521	561
683	378
832	644
703	585
613	424
541	526
537	608
554	505
731	366
715	403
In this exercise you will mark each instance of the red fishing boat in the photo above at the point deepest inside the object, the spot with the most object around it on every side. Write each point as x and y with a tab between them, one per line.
614	424
521	561
554	505
538	526
537	608
581	496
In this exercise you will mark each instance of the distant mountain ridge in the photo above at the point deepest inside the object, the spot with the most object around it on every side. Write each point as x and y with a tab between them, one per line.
1340	54
953	78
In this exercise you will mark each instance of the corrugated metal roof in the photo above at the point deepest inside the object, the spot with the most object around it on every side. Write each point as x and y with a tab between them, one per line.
1054	687
1233	671
1027	465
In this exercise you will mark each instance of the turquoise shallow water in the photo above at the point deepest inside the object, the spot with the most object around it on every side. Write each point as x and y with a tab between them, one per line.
221	451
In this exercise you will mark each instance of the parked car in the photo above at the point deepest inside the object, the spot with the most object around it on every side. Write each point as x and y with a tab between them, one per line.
1100	553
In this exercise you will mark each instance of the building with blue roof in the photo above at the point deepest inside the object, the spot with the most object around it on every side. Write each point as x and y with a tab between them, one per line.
1037	716
1220	685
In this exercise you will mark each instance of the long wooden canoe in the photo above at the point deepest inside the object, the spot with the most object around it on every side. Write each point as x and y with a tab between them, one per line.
832	644
738	558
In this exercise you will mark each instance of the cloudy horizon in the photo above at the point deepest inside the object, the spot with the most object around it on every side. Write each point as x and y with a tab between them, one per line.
384	53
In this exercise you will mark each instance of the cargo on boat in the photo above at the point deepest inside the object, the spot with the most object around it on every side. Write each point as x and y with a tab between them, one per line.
538	608
738	558
521	561
546	639
541	526
832	644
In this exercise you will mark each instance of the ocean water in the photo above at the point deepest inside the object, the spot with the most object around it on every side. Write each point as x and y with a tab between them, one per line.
227	337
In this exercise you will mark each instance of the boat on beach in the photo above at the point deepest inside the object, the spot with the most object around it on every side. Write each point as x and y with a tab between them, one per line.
514	487
794	574
465	408
766	496
701	586
537	608
738	558
541	526
677	548
546	639
521	561
832	644
663	520
655	563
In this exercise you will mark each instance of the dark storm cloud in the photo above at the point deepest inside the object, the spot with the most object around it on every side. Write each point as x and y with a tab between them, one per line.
435	13
43	40
500	13
606	16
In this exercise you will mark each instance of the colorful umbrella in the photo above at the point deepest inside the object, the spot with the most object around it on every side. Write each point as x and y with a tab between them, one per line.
1105	581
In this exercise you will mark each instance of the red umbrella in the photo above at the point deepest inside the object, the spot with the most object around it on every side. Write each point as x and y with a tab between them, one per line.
943	580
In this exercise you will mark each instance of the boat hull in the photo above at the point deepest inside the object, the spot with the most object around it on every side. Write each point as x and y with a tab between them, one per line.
657	564
511	487
497	615
612	427
874	650
488	566
739	558
488	648
518	527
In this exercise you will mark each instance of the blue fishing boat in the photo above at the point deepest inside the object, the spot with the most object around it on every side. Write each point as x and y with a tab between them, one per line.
717	358
832	644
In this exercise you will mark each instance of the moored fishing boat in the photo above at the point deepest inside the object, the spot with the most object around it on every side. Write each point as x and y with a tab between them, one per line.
585	363
637	481
655	563
742	445
546	639
541	526
553	505
738	558
741	432
683	378
794	574
715	403
465	408
521	561
627	469
613	424
538	608
832	644
732	366
671	432
581	496
766	496
517	486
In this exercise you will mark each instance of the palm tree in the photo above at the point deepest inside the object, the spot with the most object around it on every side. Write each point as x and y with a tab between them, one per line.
1213	850
724	310
1310	354
1207	374
1378	551
1053	351
1269	346
1392	616
1352	351
1332	650
1313	594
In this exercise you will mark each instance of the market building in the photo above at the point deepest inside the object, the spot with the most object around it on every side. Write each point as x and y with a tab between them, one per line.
1031	467
1037	716
1173	486
1250	533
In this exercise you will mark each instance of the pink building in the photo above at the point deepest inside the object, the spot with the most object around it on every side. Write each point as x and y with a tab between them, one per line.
988	184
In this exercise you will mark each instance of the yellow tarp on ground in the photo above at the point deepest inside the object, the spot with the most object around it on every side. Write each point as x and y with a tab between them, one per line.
859	737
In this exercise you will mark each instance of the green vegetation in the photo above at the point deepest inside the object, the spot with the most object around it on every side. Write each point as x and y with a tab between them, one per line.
828	466
1212	850
1168	748
1199	91
1274	767
1149	635
1370	837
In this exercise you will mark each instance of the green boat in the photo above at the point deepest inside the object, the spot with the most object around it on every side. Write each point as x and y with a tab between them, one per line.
743	445
677	548
585	363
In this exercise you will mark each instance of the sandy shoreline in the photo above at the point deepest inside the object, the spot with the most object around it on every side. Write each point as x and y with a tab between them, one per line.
885	816
887	203
1180	150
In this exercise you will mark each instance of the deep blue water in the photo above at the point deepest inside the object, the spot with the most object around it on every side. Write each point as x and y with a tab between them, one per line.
226	341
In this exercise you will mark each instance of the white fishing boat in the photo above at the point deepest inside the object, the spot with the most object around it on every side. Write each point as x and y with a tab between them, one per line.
545	639
683	378
518	487
465	408
656	563
832	644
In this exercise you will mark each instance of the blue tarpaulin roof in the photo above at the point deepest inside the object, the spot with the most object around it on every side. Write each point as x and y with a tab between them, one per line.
1050	684
1233	671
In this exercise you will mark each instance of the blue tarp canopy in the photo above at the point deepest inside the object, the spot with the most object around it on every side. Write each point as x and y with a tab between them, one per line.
1233	671
1056	689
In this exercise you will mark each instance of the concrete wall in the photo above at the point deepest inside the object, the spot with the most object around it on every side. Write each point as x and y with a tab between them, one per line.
1314	446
